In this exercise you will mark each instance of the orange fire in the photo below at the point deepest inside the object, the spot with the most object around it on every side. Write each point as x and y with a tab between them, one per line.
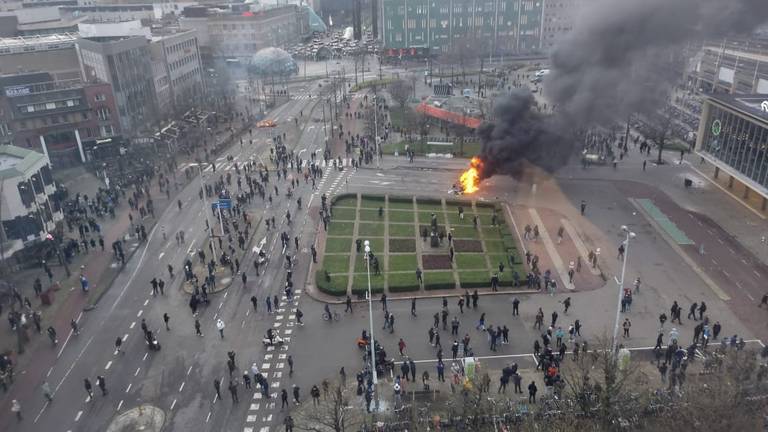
470	179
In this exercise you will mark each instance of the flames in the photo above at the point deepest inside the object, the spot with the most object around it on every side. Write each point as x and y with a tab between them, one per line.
470	179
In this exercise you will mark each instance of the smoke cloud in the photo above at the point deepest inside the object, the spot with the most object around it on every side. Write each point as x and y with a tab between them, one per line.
621	58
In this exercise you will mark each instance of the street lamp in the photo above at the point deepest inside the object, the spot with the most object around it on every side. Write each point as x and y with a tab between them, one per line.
370	317
629	235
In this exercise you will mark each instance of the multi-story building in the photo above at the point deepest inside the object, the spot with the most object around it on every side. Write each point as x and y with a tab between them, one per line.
559	19
111	13
241	34
731	66
177	71
733	136
55	54
427	27
61	119
28	210
126	64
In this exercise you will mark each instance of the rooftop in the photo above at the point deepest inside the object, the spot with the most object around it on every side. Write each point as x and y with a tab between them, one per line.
17	161
37	43
754	105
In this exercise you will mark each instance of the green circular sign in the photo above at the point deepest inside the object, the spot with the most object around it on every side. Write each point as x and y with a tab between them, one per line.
716	127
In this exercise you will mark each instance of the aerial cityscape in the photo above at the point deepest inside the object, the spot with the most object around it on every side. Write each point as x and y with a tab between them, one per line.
383	215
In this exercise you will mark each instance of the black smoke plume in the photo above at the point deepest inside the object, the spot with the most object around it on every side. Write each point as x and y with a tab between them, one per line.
622	58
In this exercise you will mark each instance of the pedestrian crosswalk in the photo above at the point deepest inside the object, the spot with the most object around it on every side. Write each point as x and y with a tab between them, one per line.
262	411
224	165
307	96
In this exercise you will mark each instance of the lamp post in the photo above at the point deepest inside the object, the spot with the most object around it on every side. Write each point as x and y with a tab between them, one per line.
370	317
629	235
205	212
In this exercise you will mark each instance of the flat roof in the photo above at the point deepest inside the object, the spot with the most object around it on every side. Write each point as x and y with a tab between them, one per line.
54	41
754	105
17	161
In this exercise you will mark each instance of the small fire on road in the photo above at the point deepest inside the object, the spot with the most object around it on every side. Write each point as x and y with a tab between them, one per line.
470	179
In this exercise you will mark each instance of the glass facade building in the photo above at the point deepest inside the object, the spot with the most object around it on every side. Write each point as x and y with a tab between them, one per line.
733	136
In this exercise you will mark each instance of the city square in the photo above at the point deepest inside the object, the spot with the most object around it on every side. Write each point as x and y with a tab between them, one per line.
310	217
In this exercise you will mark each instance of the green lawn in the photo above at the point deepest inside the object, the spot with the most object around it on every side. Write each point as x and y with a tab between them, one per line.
344	213
402	230
428	205
464	232
400	204
338	244
470	261
402	262
400	282
400	216
360	283
337	285
438	280
398	266
336	263
474	279
373	202
341	228
345	201
370	229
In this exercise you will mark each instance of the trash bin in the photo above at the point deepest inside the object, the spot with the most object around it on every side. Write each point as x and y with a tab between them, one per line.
46	297
688	182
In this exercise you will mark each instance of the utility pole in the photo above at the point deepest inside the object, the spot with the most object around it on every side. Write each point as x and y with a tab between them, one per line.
205	212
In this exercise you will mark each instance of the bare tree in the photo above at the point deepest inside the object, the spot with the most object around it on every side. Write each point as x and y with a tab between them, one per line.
331	414
400	91
659	129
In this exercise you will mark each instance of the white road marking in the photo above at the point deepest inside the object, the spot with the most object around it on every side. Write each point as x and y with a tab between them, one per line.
73	365
208	417
146	302
129	387
181	387
141	311
109	364
189	370
79	414
145	356
137	372
161	255
173	404
133	324
119	405
756	273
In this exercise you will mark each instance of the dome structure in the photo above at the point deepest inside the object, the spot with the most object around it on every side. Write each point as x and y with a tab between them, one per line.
273	62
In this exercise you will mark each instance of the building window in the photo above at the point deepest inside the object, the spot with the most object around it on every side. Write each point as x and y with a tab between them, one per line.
100	97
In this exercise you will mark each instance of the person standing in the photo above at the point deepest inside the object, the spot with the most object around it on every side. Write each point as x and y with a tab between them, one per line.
290	364
283	398
349	304
288	422
255	303
583	207
515	307
532	389
166	318
233	391
627	324
217	387
296	399
413	306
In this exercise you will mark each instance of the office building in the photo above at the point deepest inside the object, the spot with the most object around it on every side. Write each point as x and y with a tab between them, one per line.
126	64
418	28
241	34
60	119
177	71
559	19
28	209
731	66
733	136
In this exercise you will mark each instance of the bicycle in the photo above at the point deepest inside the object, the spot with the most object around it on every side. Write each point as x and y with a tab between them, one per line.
335	315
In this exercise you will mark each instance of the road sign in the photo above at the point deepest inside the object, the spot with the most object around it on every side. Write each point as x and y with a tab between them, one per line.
224	204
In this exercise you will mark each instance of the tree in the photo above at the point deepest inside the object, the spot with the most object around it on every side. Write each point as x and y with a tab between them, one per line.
332	414
400	91
660	129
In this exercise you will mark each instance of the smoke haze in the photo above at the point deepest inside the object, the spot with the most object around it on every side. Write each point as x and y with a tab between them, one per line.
618	60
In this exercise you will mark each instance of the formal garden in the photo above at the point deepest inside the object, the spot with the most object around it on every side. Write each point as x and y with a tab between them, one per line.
406	233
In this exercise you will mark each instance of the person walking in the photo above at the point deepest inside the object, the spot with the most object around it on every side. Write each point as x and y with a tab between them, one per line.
566	305
413	307
217	387
349	305
47	394
166	318
118	345
283	398
255	303
296	398
288	422
88	387
233	391
315	393
290	364
627	324
16	409
692	311
515	307
401	346
220	326
102	383
197	328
